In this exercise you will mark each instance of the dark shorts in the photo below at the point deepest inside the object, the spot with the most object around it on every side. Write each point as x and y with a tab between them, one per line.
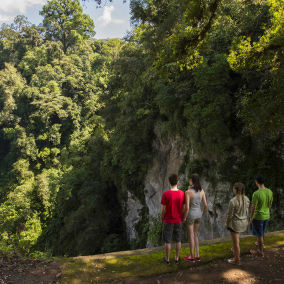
231	230
259	227
172	229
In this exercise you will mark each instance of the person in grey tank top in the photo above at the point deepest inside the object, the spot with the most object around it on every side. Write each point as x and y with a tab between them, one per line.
194	196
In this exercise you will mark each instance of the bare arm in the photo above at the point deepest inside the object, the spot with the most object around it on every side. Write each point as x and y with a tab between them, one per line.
252	211
228	221
270	205
230	213
163	212
204	203
183	212
186	206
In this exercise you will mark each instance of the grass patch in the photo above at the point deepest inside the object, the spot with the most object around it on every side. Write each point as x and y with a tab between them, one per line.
138	266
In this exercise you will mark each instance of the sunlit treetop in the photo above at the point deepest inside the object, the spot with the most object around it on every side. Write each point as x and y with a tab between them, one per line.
64	21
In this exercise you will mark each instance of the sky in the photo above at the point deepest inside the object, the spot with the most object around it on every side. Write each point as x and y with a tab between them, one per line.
111	20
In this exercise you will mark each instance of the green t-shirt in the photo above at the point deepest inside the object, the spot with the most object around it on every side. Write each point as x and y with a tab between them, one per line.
262	199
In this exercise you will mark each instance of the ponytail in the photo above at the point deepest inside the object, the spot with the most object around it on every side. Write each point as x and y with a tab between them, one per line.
240	192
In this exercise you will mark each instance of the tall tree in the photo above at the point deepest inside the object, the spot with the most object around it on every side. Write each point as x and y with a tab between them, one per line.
65	22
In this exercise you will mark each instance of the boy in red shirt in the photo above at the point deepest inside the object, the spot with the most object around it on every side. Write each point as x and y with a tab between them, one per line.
171	216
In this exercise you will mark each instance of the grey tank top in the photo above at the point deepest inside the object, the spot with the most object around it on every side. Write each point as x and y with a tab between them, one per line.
194	206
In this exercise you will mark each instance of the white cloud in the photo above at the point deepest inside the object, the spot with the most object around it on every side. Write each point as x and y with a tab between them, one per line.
11	8
6	18
107	18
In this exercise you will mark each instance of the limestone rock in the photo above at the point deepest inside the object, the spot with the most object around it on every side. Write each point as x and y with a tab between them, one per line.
132	216
170	154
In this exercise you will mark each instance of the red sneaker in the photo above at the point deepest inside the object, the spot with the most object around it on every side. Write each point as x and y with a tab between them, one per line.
187	258
197	258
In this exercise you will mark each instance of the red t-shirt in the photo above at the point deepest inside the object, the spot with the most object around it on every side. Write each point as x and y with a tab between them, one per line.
173	200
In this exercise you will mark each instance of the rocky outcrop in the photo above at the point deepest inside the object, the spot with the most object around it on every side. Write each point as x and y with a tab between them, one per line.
213	223
170	155
132	217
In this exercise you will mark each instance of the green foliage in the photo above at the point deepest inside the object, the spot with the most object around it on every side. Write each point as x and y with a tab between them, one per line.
111	243
249	57
55	139
155	230
11	88
17	38
79	116
65	22
209	109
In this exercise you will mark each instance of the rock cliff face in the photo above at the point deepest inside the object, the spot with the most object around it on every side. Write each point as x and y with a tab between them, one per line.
168	160
132	217
170	153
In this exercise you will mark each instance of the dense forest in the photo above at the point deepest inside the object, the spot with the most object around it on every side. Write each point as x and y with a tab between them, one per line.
78	116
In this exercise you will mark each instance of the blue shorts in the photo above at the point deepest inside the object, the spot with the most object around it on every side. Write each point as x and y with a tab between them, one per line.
259	227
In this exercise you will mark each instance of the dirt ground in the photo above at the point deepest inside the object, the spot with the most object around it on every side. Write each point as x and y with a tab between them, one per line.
269	269
14	270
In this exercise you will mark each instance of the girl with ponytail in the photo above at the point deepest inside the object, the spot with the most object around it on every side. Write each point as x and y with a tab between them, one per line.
237	220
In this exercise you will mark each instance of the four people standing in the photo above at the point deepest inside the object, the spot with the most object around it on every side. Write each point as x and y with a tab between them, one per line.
179	207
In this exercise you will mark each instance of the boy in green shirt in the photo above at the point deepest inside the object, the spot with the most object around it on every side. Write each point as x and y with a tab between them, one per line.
260	213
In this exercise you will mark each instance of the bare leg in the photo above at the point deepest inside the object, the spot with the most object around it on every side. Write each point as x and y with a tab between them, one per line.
196	240
263	242
236	245
190	232
168	249
260	244
178	247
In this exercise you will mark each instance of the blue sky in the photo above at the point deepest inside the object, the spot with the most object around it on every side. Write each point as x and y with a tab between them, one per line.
111	20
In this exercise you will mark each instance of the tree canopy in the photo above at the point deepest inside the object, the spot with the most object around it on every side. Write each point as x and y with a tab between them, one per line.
64	21
79	117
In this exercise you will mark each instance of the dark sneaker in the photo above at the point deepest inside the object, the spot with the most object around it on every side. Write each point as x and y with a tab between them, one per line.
165	261
177	261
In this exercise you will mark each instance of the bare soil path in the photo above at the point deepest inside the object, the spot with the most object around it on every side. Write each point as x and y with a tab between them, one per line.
15	270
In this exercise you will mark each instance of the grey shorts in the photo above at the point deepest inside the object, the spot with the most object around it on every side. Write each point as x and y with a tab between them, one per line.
172	229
